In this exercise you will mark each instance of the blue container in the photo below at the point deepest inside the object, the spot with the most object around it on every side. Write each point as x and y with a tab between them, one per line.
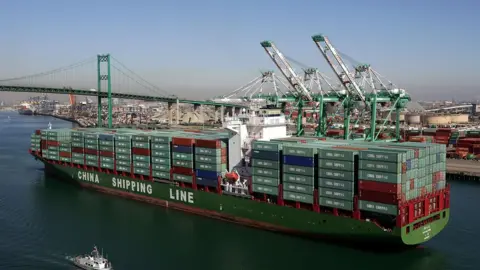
268	155
207	182
182	149
409	164
299	161
207	174
106	137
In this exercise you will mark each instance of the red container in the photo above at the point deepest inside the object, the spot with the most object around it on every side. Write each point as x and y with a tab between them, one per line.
38	132
208	143
379	187
141	151
65	154
386	198
107	154
53	143
183	141
77	150
181	170
43	144
91	152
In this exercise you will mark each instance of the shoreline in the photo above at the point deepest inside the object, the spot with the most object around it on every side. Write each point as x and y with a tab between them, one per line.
68	119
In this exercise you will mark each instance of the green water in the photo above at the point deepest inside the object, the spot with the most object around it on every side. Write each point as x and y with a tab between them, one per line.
43	220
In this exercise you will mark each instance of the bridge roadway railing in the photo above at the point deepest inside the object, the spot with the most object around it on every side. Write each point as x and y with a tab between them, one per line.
463	170
65	91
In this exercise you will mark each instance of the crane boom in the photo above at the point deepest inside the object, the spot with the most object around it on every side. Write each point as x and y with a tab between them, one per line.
287	70
344	74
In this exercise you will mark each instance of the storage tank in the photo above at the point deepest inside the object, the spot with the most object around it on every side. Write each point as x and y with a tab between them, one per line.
413	119
394	115
438	119
459	118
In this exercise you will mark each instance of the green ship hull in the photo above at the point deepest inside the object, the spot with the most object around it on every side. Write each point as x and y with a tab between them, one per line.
252	213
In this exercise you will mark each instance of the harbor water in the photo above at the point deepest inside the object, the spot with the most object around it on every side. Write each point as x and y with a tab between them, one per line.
43	220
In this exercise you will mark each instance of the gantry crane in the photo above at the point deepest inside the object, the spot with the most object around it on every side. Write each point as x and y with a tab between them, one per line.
356	92
300	93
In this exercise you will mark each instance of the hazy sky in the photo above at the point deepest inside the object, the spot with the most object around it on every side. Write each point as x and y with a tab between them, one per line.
203	48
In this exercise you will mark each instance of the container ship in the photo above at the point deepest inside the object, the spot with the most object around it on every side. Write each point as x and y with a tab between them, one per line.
251	172
25	109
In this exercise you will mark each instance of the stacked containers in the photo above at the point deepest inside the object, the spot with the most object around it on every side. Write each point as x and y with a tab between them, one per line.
54	140
107	151
299	172
78	146
91	149
65	150
141	154
35	141
182	160
161	157
123	153
210	161
266	167
384	177
44	143
337	177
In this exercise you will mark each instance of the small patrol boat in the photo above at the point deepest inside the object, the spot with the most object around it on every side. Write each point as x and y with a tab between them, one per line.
92	261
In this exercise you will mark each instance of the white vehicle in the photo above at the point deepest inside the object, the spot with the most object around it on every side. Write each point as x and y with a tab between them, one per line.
93	90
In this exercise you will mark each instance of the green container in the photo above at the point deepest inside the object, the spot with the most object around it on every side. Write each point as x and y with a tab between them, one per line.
378	207
78	155
80	140
271	190
123	151
335	174
161	160
307	189
158	153
144	145
106	159
382	177
161	175
267	146
336	165
298	179
182	178
211	167
65	159
297	197
124	137
337	154
162	147
106	143
91	146
141	171
383	155
262	163
336	203
77	144
123	168
78	161
379	166
183	163
123	144
106	165
91	141
208	151
263	180
140	164
123	162
91	158
302	151
123	157
208	159
266	172
336	184
91	163
182	156
161	167
291	169
161	139
141	158
335	193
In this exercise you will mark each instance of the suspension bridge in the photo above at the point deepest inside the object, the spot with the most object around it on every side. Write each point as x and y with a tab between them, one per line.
102	76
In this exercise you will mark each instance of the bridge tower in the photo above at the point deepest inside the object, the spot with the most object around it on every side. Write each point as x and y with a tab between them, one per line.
104	76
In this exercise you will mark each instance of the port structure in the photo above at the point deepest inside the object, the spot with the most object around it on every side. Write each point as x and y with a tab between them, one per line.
363	85
113	80
360	89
